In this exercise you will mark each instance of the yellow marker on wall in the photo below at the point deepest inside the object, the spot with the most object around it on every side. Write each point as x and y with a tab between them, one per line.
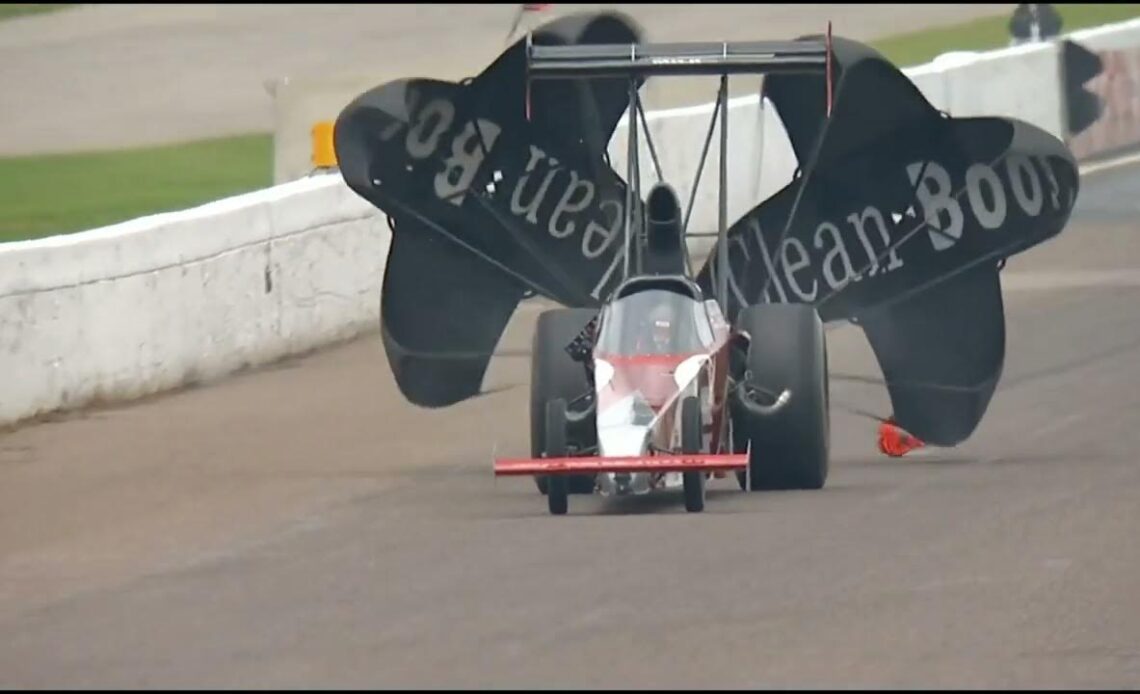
324	155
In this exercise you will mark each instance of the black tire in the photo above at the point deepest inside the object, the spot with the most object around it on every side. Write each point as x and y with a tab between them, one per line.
787	350
557	486
692	441
553	374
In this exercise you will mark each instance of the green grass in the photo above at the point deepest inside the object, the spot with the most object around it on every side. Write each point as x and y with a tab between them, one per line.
989	33
46	195
9	10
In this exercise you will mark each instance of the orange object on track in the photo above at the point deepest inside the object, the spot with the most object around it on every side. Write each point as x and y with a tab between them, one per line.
895	441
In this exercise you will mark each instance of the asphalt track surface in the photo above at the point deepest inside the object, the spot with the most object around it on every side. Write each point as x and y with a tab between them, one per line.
301	526
107	76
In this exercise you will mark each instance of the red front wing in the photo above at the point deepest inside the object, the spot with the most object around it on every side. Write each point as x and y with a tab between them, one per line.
705	462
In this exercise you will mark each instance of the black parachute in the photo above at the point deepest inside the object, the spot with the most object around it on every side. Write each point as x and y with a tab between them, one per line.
898	219
903	219
460	169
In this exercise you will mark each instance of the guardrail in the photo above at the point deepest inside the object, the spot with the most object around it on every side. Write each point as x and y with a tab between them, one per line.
167	300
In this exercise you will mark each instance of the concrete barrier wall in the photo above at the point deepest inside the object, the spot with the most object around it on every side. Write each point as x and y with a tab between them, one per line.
158	302
1020	82
163	301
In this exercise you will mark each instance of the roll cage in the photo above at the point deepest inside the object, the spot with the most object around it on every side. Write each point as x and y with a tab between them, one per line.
635	62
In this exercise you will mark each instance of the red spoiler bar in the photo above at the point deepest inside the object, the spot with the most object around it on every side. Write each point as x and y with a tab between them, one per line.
649	463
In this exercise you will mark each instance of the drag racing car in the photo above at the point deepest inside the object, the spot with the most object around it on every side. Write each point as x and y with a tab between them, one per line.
657	392
499	189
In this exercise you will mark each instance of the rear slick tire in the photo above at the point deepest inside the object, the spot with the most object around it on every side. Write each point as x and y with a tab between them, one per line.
787	350
553	374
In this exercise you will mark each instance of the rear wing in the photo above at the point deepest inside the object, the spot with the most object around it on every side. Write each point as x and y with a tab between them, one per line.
693	58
